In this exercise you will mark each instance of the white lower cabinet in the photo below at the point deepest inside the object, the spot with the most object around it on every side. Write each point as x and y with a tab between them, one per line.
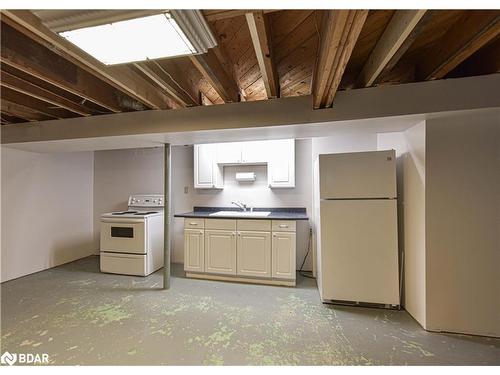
194	250
244	249
283	255
220	252
254	254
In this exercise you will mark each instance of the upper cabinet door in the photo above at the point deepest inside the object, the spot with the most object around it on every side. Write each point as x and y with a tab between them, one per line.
254	152
281	167
229	153
358	175
207	174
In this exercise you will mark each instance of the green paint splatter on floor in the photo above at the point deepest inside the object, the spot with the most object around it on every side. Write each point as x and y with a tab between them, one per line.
94	318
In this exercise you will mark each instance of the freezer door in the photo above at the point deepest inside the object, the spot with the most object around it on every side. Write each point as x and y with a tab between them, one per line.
358	175
359	251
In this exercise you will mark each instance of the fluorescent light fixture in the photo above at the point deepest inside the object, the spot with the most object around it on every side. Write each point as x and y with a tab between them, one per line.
138	39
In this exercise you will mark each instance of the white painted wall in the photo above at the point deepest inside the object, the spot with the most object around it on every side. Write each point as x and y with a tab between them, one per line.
46	210
463	223
348	142
414	224
120	173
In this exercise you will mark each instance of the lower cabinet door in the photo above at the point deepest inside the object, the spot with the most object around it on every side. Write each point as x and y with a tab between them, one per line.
194	258
283	255
254	254
220	252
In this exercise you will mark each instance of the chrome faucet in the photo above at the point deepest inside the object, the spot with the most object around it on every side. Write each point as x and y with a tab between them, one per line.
240	205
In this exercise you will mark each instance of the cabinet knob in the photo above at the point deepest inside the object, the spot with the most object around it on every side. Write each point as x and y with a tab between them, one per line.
274	235
283	226
201	232
233	234
192	223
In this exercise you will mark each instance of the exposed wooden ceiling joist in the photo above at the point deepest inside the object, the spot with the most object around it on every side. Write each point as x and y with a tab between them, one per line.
261	39
122	78
163	79
471	32
486	60
23	54
8	119
220	14
35	104
25	87
339	34
22	111
401	26
210	67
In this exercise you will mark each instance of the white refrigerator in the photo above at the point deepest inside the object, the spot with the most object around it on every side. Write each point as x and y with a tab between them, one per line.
356	227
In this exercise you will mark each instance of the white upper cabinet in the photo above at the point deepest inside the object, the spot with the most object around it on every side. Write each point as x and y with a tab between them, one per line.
229	153
207	173
255	152
281	167
279	156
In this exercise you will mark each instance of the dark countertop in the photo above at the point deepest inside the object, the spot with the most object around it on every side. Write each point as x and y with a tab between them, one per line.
287	213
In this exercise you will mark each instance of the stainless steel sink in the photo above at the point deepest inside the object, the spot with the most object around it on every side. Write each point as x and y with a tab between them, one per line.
242	213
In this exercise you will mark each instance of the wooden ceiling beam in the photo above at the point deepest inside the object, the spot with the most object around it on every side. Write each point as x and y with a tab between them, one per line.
165	80
339	33
31	58
221	14
8	119
28	88
400	27
122	78
35	104
21	111
472	31
212	70
261	39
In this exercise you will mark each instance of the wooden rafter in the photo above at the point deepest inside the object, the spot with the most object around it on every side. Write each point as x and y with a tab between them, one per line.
35	104
221	14
164	79
261	39
8	119
22	111
122	78
401	26
474	30
210	67
28	88
31	58
339	34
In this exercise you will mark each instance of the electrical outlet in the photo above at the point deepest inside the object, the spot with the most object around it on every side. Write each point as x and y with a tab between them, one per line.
186	189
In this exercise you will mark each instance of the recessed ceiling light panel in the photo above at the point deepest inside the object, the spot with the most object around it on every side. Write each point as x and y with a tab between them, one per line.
138	39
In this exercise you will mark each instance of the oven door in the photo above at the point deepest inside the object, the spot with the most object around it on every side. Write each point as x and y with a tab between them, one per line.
123	236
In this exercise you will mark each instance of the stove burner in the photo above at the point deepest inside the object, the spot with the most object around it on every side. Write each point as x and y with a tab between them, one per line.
146	213
124	213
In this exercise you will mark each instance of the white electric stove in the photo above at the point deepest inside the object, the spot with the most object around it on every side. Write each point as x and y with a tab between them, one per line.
132	240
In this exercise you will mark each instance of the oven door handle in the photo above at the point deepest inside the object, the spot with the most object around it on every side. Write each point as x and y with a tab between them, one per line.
122	221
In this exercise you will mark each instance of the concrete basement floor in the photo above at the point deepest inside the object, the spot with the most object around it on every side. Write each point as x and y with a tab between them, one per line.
80	316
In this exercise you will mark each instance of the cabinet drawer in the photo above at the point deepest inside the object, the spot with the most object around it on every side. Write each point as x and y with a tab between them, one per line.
191	223
284	226
264	225
220	224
